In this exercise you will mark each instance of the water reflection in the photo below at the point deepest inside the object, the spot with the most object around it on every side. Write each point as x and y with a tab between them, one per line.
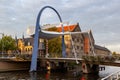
16	75
33	75
62	76
89	77
108	70
71	75
40	75
25	75
47	75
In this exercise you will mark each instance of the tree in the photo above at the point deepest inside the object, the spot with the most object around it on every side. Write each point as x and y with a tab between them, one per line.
55	44
7	43
114	53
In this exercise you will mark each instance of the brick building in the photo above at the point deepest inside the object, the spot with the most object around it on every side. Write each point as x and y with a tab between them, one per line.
81	44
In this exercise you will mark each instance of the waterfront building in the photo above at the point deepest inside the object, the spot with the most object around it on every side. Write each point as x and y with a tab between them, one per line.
81	44
102	51
25	45
89	43
74	42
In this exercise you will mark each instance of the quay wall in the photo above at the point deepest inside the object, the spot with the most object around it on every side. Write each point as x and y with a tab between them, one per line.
9	65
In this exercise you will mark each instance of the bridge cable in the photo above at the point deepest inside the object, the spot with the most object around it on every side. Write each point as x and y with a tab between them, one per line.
73	47
91	43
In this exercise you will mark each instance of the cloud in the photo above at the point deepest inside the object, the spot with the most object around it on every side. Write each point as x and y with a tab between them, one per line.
114	47
101	16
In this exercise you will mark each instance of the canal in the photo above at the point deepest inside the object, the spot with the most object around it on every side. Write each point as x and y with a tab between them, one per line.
70	75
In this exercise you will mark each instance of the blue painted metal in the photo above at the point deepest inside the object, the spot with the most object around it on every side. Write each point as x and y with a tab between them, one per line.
63	42
33	66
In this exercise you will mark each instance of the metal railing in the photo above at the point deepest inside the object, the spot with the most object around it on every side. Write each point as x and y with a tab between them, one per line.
6	55
113	76
17	56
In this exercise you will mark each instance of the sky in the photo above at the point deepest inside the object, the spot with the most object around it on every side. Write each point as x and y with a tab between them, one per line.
101	16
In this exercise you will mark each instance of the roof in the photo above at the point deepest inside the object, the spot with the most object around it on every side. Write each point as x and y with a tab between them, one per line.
67	28
27	40
57	31
101	48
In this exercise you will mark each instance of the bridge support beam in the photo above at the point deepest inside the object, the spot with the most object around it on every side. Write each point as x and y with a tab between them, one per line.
86	68
90	68
55	66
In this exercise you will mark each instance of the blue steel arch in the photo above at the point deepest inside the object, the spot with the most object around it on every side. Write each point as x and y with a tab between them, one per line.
33	66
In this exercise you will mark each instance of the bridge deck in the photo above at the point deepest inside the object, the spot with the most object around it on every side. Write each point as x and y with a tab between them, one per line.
107	63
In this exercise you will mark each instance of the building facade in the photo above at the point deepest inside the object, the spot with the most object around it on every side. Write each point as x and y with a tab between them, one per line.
102	51
89	43
76	44
25	46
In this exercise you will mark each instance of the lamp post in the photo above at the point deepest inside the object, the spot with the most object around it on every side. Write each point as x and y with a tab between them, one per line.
2	42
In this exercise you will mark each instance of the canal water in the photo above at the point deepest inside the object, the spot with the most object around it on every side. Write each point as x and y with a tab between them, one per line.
70	75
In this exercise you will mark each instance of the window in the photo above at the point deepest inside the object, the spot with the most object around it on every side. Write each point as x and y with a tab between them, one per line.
41	40
81	41
26	49
31	49
81	47
67	46
77	47
77	40
90	49
73	39
28	43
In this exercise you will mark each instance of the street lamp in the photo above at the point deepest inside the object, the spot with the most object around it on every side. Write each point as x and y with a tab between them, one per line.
2	42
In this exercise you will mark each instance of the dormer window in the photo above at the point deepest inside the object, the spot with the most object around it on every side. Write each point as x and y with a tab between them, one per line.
28	43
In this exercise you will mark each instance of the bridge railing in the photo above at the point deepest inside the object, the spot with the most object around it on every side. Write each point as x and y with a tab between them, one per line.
6	55
113	76
17	56
98	58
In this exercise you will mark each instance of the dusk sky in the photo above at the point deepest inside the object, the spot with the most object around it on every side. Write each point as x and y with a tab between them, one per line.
101	16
